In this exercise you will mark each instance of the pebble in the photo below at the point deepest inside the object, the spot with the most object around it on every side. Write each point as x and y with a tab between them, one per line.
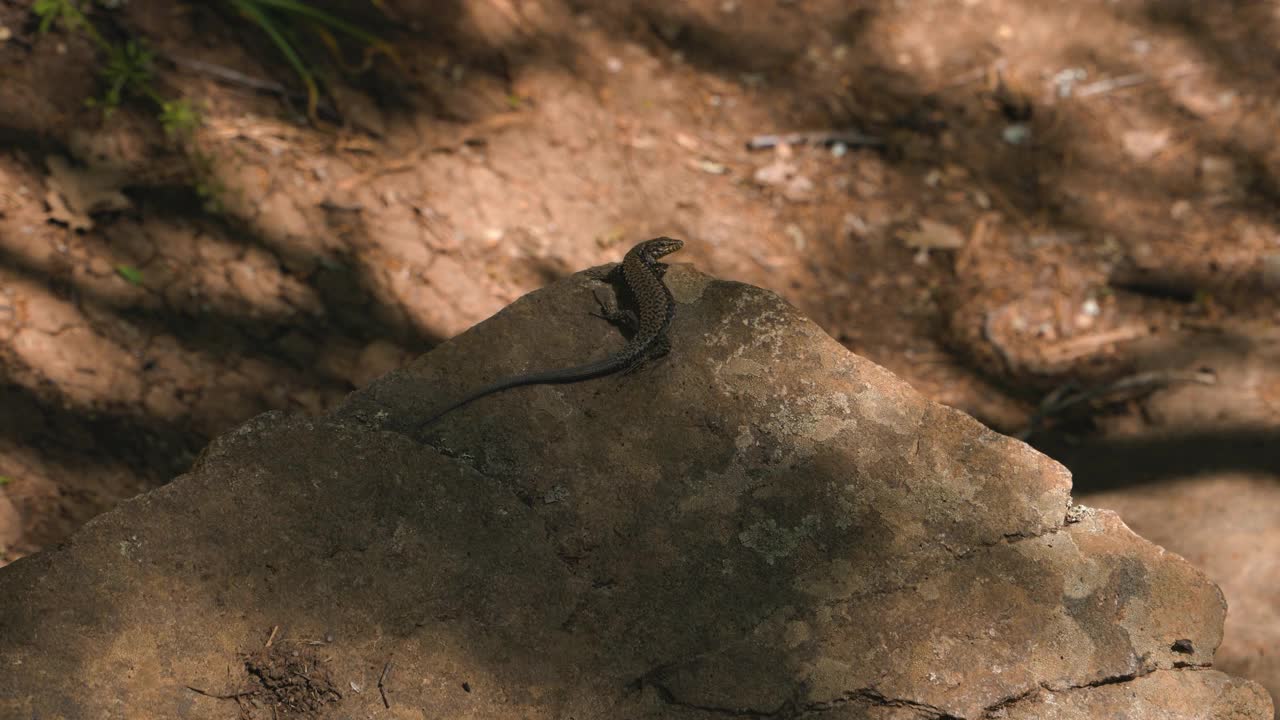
1016	134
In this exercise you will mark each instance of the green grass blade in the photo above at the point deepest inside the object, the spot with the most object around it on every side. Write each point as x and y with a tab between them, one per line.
130	273
251	10
336	23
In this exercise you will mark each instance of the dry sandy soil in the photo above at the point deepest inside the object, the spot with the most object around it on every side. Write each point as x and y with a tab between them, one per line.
1059	196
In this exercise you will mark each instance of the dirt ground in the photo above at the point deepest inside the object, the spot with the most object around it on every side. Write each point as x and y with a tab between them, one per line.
1045	189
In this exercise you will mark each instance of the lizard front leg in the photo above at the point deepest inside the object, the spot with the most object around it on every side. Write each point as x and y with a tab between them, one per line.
626	319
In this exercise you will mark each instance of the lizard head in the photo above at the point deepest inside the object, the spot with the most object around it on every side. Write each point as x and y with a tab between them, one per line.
659	246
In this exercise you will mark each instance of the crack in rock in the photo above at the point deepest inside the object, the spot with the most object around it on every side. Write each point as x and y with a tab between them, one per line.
875	698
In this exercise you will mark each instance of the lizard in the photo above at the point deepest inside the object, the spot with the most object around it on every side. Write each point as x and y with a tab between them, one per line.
642	275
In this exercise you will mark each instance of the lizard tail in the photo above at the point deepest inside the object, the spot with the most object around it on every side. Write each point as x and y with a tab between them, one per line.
600	368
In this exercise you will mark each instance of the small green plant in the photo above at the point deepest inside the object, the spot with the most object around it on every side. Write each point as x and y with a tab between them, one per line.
130	273
208	187
178	118
129	65
65	11
128	69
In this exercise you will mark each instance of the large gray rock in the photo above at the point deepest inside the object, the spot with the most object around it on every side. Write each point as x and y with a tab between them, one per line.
1202	478
760	524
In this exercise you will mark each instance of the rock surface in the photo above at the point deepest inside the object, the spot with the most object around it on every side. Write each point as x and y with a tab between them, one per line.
1224	522
1202	479
760	524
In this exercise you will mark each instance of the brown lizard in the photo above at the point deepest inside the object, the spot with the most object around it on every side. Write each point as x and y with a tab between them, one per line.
655	307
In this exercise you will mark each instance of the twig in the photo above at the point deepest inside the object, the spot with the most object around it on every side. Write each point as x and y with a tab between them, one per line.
817	137
1068	395
274	629
981	72
303	641
1110	84
230	696
382	688
1105	86
1078	347
234	77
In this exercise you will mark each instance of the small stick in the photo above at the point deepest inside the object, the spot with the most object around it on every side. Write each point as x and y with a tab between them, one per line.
382	689
1066	396
1086	344
231	696
1106	86
274	630
235	77
974	74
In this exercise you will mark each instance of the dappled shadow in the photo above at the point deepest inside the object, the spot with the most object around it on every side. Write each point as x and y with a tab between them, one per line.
1100	464
464	64
1038	183
607	577
769	41
1236	36
87	455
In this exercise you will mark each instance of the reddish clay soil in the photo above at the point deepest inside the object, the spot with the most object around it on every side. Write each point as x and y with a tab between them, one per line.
1058	198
